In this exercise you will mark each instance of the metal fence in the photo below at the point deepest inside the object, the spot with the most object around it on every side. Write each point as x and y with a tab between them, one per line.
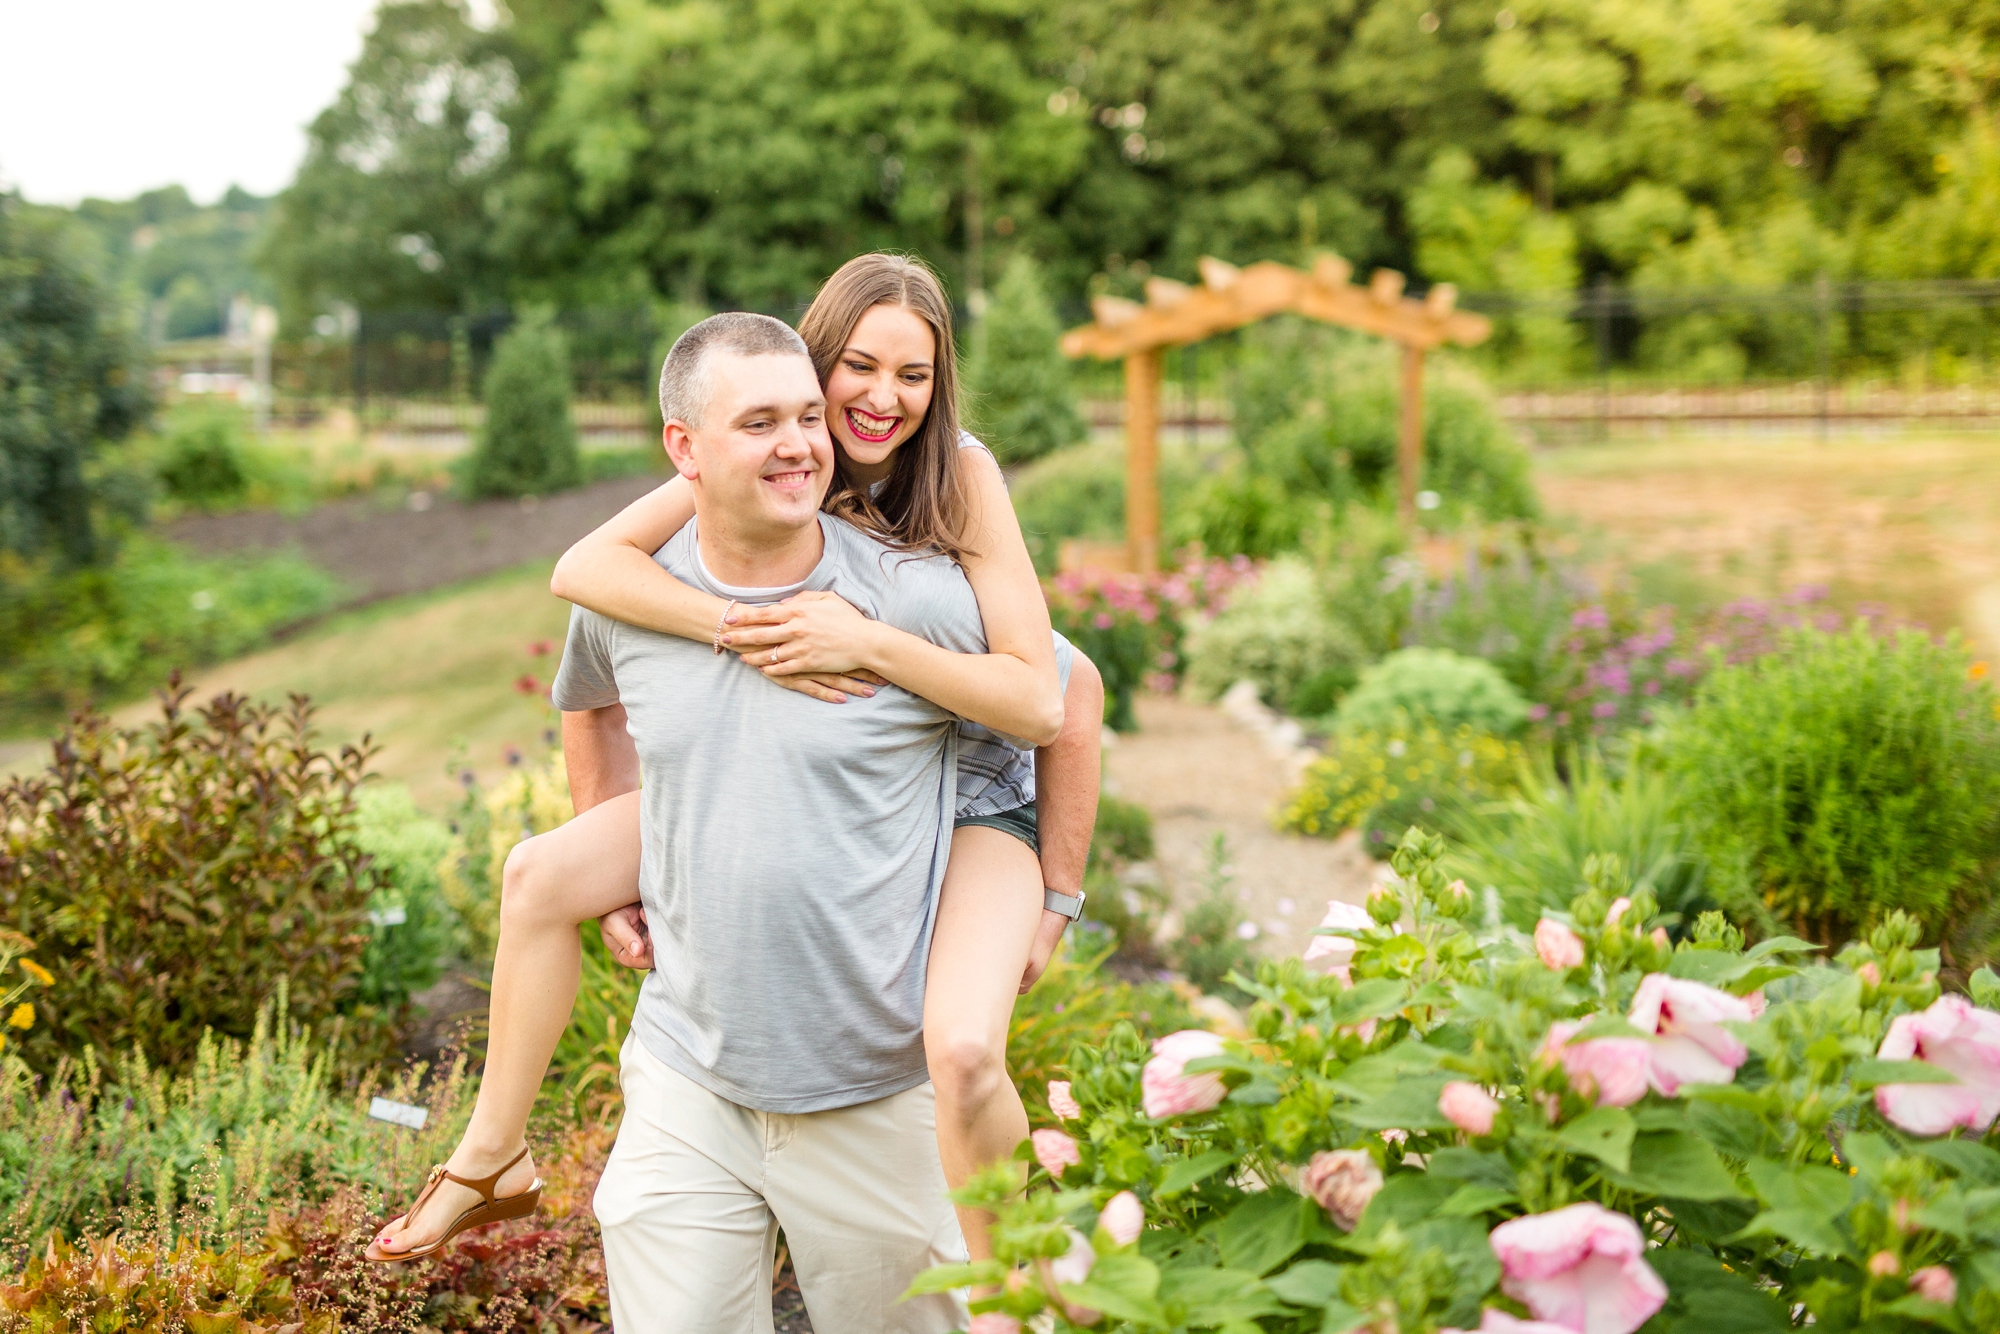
1819	356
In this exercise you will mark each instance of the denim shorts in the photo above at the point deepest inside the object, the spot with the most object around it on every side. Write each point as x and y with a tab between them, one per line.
1020	822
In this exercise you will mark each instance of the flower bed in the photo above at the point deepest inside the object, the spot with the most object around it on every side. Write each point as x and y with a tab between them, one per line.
1587	1130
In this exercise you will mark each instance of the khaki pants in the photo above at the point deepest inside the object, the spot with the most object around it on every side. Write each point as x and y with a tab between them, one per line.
697	1187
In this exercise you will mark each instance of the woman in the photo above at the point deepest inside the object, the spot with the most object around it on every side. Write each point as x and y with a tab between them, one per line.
880	337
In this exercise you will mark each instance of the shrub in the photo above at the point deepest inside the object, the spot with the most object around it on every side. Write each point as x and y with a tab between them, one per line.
1019	378
250	1130
71	637
126	1284
1382	782
201	463
1316	416
1435	686
1212	946
72	375
1080	492
411	929
527	446
175	875
1364	1160
1074	1004
532	799
1280	634
1510	602
1132	626
1534	845
1843	777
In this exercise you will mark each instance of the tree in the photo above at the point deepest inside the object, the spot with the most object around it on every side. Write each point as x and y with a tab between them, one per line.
528	445
1020	379
71	377
396	204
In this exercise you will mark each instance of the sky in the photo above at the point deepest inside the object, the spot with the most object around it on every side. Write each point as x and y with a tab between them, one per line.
106	98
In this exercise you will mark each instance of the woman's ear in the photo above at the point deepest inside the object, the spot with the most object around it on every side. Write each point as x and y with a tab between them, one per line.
680	448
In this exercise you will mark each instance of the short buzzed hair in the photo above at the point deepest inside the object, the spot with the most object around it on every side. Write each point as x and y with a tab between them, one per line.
684	379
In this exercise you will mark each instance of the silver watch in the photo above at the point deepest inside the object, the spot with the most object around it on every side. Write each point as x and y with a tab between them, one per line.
1069	905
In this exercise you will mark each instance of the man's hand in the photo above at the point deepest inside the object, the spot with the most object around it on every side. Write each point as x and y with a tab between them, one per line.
1047	936
625	934
829	687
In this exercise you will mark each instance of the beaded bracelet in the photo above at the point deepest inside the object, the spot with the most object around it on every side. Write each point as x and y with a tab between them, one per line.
716	644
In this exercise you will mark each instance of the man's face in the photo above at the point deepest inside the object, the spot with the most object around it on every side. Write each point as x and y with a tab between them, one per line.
760	459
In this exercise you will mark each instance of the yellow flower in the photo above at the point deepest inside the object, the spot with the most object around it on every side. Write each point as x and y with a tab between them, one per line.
23	1016
39	973
1977	671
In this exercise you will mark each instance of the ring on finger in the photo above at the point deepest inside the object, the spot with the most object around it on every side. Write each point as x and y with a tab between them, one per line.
774	657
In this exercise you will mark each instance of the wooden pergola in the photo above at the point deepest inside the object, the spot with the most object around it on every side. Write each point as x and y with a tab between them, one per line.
1176	314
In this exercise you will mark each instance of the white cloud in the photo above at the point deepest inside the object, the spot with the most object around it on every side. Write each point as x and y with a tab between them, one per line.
106	98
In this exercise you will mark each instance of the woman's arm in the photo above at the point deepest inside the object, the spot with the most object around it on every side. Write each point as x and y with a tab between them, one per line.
1011	688
612	571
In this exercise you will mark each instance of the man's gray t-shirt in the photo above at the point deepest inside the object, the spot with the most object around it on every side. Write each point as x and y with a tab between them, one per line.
791	850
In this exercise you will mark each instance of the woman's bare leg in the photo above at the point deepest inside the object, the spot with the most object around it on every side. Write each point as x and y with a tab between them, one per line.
553	883
989	914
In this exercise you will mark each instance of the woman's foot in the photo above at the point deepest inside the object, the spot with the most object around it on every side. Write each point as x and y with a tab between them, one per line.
414	1231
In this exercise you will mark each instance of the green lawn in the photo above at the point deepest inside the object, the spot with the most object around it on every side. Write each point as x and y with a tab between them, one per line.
431	677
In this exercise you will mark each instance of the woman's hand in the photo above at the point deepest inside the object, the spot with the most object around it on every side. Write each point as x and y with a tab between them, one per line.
807	632
829	686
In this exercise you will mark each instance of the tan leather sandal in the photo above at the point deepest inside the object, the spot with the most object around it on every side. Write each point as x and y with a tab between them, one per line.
479	1215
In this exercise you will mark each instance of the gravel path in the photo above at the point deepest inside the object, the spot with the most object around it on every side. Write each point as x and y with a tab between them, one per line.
1200	772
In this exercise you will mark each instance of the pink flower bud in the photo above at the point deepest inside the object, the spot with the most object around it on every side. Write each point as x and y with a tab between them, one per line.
1165	1090
1660	938
1884	1263
1397	1138
994	1322
1383	906
1559	947
1755	1000
1343	1182
1054	1151
1935	1283
1061	1103
1123	1217
1617	910
1869	973
1469	1107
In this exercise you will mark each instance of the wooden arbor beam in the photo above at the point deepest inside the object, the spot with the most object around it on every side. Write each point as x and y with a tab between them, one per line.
1176	314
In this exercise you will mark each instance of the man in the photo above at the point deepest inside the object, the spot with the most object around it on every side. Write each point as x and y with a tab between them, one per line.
790	855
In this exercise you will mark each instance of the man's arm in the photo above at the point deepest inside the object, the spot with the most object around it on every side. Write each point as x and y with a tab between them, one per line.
599	755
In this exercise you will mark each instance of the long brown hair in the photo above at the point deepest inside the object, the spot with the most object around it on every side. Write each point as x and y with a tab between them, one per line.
922	504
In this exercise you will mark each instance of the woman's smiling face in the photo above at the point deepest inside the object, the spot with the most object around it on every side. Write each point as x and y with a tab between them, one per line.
880	387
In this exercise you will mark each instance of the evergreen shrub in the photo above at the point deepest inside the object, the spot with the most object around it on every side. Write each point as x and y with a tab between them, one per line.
201	463
527	446
1281	634
1843	777
1432	686
1021	401
175	876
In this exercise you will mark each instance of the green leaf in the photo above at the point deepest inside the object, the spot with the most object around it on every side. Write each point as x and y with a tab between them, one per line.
1675	1163
1264	1231
1340	1318
1706	1297
1462	1164
1406	1199
1372	1076
1603	1133
1121	1285
1410	1105
1189	1171
1968	1158
1466	1249
946	1278
1867	1074
1215	1296
1802	1203
1472	1201
1985	988
1371	999
1308	1283
1764	949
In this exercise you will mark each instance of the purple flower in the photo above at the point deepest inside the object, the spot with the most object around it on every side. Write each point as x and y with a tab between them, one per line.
1605	710
1591	618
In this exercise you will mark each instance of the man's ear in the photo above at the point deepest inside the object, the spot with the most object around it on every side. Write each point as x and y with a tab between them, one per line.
680	448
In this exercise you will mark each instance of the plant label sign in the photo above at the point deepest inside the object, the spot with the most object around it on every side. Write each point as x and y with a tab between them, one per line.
398	1113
